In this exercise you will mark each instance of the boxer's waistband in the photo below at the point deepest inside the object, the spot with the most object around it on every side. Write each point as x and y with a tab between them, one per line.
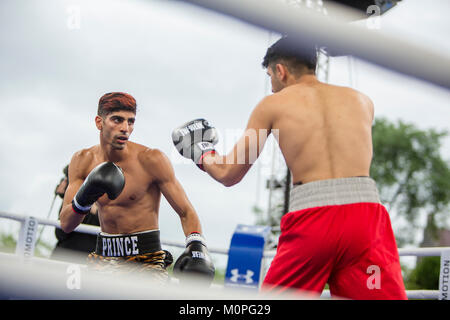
333	192
123	245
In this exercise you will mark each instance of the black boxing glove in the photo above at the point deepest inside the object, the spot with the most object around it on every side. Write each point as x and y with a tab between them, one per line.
195	263
107	178
194	139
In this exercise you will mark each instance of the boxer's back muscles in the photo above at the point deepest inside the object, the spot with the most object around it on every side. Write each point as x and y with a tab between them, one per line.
324	131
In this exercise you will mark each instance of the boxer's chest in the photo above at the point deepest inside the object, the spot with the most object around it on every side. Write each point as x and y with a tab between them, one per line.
138	185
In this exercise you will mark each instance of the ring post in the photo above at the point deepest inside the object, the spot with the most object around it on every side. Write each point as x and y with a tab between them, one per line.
444	275
27	237
245	256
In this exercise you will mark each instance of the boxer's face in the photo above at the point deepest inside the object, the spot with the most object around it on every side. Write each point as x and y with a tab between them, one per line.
116	128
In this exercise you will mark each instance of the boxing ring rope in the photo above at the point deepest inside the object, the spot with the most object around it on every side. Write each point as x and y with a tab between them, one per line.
94	230
309	27
268	254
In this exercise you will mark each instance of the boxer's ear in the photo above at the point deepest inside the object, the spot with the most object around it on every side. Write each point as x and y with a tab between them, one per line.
281	71
99	122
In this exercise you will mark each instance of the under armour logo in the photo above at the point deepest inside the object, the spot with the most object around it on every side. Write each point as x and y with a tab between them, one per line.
247	277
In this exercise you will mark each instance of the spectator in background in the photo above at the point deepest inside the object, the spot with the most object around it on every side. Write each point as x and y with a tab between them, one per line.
74	246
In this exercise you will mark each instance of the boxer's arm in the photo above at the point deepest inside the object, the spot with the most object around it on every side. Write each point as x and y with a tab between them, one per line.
170	187
231	168
77	168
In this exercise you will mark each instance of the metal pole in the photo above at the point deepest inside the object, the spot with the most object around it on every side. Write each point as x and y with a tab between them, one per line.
287	191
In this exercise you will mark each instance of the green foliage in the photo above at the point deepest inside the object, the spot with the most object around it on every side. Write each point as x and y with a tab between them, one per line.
7	243
219	277
425	276
410	173
259	213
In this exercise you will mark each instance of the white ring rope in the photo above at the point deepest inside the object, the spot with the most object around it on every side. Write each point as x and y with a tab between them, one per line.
89	229
21	286
309	27
94	230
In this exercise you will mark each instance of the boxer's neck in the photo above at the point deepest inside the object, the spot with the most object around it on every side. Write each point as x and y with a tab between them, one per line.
109	153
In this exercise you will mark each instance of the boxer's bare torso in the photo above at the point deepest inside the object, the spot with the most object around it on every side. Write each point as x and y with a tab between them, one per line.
137	207
148	174
324	132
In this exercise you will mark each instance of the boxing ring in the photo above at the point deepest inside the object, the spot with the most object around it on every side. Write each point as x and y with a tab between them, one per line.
25	276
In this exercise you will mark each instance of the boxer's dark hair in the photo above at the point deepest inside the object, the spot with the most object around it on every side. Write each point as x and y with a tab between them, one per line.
295	56
116	101
66	171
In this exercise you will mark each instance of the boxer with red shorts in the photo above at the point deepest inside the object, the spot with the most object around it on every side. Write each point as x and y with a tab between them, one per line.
337	231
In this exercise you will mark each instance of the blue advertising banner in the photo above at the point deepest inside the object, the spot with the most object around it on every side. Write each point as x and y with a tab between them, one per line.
245	256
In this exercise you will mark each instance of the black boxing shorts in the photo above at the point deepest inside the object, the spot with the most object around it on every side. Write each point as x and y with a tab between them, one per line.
136	252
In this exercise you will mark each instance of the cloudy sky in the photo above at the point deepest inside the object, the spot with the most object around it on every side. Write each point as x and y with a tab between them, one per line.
58	57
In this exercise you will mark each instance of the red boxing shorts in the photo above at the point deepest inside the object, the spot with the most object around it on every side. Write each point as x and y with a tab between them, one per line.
337	232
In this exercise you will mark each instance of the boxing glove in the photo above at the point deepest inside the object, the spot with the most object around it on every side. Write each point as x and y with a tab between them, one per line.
194	139
107	178
195	264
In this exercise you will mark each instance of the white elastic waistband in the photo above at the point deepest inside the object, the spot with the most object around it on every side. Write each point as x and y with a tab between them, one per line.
333	192
104	234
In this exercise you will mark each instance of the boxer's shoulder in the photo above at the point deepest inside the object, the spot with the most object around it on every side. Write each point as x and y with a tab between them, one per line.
87	153
356	99
83	160
268	105
152	158
345	91
270	108
290	95
149	154
365	100
141	152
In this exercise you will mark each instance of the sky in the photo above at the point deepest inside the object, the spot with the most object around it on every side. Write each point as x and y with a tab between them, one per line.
57	58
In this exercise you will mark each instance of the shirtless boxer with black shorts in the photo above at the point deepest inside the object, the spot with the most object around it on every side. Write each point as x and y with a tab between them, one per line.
126	180
337	231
